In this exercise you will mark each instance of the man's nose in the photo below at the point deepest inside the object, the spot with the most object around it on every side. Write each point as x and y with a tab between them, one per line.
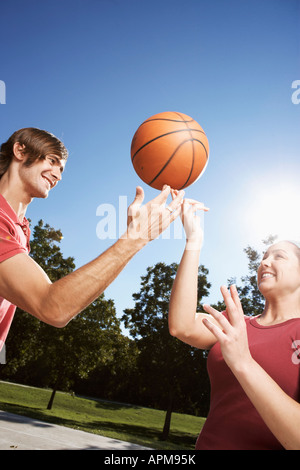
56	173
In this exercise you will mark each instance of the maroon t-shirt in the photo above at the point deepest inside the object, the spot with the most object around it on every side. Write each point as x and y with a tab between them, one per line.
14	239
233	423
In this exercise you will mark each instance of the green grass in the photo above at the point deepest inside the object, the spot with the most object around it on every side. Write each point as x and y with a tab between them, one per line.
116	420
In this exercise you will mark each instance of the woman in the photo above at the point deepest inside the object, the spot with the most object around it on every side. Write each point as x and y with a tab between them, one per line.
253	363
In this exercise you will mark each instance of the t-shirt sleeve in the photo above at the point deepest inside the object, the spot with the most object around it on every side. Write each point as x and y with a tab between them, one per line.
10	241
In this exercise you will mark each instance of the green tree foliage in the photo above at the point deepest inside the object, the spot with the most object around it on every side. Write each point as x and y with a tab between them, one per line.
168	369
40	354
23	344
252	300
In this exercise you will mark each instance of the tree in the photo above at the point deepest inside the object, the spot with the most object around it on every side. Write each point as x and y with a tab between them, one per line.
165	364
115	379
22	344
43	355
252	300
76	350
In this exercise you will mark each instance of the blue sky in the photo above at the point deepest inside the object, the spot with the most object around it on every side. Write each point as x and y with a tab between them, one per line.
91	71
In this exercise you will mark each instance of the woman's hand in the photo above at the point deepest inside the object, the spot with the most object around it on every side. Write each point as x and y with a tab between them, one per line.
233	335
191	222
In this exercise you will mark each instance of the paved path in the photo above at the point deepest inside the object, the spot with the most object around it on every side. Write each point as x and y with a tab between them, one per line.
22	433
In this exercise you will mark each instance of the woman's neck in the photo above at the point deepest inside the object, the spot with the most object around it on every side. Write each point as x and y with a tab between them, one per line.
280	309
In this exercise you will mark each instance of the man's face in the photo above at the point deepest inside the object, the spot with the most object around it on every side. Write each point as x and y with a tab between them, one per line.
42	175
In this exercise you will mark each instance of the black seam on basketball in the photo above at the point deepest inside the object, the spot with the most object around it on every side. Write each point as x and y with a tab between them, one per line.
166	119
193	161
163	135
182	119
206	153
168	161
173	155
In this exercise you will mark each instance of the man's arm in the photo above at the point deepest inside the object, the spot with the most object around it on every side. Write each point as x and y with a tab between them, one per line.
26	285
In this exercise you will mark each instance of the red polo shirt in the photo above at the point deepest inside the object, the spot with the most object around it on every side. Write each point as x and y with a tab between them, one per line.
14	239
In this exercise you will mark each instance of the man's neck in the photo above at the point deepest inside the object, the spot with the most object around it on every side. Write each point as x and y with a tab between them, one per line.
16	199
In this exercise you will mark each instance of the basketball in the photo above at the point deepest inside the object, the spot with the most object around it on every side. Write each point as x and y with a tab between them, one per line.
169	148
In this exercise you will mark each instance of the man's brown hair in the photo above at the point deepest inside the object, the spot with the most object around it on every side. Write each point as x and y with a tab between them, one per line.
37	144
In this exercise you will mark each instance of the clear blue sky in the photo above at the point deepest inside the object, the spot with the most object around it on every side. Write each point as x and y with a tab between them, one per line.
91	71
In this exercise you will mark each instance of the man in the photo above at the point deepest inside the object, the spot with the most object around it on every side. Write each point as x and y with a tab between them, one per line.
31	164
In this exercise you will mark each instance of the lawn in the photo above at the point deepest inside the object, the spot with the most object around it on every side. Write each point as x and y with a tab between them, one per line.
116	420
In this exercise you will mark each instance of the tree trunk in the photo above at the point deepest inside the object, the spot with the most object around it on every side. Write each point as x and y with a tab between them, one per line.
166	429
49	407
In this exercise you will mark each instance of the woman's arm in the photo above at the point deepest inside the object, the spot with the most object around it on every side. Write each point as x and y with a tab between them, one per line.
184	323
278	410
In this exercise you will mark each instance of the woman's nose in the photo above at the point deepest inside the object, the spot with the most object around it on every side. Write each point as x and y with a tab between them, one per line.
266	261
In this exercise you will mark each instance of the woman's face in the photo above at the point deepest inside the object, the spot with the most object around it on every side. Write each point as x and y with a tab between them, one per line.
279	270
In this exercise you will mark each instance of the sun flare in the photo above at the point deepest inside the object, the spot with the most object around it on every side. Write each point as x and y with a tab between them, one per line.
275	211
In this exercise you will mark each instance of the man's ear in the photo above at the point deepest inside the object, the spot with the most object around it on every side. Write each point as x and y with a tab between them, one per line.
19	151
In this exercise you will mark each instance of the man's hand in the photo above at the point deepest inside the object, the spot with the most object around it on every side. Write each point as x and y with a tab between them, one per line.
25	284
147	222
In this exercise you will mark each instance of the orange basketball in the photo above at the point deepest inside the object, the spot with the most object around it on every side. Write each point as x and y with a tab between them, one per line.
169	148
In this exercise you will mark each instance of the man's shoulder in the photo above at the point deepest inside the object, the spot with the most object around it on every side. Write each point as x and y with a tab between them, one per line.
12	239
6	222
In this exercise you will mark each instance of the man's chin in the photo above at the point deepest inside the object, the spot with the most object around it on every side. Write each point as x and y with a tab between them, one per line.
41	195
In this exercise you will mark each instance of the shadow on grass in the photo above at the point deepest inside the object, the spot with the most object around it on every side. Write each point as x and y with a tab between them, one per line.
142	435
109	405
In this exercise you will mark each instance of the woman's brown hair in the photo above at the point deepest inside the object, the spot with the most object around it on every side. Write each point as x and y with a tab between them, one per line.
37	144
